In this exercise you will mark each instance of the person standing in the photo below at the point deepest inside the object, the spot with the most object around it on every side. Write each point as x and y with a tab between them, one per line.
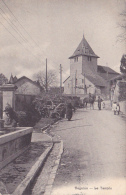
69	111
99	102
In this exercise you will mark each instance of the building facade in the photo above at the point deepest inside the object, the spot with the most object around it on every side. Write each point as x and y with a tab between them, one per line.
85	75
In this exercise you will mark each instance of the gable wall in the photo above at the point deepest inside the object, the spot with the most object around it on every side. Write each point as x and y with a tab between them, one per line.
27	88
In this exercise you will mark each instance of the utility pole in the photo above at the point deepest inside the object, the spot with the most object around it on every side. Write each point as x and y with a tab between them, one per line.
60	79
46	77
107	71
84	85
75	81
72	85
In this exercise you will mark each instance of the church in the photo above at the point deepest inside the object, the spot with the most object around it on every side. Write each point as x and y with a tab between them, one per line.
85	75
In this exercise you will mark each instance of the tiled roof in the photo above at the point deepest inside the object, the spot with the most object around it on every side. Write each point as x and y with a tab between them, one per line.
84	49
96	79
26	78
105	69
107	76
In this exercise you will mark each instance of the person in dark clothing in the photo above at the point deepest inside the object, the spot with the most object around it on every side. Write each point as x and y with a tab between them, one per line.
99	102
69	112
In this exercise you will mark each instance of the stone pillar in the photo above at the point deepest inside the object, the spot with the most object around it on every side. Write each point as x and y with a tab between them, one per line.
8	96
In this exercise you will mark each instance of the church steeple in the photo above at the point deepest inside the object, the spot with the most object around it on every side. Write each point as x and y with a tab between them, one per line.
84	49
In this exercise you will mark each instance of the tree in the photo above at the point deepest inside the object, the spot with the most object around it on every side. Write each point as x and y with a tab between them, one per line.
123	64
122	24
51	78
3	79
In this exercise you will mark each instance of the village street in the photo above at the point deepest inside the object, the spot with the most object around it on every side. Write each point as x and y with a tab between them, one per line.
94	157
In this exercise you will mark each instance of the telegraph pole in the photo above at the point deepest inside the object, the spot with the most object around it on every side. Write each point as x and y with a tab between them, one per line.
75	81
60	79
84	84
46	76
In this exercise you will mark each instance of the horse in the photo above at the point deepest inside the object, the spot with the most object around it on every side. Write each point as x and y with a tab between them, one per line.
89	100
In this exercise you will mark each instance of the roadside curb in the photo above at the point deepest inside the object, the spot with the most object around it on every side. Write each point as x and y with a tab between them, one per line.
48	126
44	128
51	179
23	186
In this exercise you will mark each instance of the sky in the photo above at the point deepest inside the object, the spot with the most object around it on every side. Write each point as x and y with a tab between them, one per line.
33	30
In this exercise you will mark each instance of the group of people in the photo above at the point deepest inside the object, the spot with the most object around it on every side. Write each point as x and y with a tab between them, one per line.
115	106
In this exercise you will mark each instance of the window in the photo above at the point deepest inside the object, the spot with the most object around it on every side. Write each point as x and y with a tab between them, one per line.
68	85
82	80
76	59
89	58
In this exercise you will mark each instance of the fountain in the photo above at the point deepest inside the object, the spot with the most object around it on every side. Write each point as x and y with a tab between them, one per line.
13	140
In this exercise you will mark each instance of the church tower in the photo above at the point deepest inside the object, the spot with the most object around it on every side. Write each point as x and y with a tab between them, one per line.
84	60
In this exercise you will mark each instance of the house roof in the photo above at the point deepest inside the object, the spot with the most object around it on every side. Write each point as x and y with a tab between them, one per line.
84	49
107	73
106	69
117	77
96	80
26	78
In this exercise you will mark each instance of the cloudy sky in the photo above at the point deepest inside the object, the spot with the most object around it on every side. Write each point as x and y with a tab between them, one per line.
33	30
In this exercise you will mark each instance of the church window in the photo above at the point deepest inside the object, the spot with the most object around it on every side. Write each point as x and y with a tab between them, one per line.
76	59
89	58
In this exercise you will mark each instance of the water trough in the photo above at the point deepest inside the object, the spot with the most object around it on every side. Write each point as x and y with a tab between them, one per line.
13	142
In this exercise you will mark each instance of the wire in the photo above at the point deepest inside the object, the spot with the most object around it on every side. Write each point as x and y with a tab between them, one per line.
13	27
20	23
18	40
10	32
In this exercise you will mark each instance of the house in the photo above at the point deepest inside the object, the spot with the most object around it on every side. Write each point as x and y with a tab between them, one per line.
25	86
85	75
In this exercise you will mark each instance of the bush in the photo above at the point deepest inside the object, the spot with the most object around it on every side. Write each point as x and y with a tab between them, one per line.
122	90
28	118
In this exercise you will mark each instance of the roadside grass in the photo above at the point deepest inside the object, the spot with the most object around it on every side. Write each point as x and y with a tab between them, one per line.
43	123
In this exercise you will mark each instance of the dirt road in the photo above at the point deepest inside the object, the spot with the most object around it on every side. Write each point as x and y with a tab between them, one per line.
94	157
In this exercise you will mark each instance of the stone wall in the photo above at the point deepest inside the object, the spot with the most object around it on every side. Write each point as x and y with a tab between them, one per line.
13	144
123	107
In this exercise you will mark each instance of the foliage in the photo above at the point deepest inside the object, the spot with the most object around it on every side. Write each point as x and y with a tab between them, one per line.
51	78
123	64
122	91
23	118
122	24
3	79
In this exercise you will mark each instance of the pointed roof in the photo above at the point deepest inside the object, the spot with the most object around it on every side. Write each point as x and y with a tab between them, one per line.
84	49
15	79
11	81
